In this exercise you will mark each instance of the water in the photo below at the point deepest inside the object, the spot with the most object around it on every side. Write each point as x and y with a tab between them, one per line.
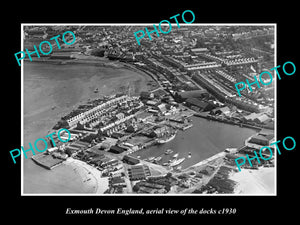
205	139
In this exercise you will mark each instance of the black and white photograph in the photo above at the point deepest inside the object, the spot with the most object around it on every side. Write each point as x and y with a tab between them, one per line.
149	111
162	116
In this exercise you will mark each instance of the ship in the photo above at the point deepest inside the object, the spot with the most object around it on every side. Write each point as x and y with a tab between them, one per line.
169	151
165	139
190	155
176	155
177	162
187	126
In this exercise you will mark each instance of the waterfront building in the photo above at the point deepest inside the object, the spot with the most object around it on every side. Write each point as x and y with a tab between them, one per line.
258	141
181	96
160	131
222	111
130	160
117	149
256	117
199	105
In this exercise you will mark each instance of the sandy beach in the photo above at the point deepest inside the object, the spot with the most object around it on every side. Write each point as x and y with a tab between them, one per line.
90	176
255	182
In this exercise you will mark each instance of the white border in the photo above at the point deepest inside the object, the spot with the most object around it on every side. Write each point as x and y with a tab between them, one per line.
144	24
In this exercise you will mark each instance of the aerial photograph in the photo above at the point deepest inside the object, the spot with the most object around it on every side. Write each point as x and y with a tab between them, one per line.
152	115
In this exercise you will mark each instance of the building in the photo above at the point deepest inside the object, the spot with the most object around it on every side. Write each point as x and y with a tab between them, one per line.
130	160
181	96
260	140
256	117
199	104
93	113
117	182
138	172
222	111
117	149
160	131
162	108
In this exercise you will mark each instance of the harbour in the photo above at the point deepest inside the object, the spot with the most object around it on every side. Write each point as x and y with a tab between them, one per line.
201	141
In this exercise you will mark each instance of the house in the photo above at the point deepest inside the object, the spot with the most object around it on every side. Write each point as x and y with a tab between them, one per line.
260	140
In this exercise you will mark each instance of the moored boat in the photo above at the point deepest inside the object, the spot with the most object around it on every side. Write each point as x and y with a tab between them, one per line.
176	155
177	162
165	139
169	151
157	159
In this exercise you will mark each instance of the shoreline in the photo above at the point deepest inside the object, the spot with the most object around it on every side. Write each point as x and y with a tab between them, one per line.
89	175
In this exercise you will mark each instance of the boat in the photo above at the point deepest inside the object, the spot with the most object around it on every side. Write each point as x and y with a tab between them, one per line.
165	164
176	155
177	162
165	139
157	159
231	150
187	126
151	159
169	151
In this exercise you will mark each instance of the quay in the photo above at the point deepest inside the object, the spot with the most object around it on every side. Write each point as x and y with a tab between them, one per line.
46	161
213	118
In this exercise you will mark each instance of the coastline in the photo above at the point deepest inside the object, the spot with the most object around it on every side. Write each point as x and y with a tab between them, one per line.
90	176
